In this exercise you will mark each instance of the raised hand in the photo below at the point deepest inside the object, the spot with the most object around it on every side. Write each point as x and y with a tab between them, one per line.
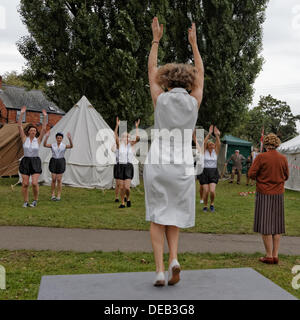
216	131
137	123
193	35
69	135
23	110
157	29
118	121
211	129
44	112
47	134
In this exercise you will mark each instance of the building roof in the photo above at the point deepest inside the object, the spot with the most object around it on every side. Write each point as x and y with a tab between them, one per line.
229	139
35	100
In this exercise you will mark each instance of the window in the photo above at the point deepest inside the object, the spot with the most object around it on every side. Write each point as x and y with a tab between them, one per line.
18	115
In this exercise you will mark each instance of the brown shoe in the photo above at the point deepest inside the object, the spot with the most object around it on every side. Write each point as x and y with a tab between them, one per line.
275	260
266	260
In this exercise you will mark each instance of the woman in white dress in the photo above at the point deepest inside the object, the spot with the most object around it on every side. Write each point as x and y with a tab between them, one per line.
31	164
57	164
169	188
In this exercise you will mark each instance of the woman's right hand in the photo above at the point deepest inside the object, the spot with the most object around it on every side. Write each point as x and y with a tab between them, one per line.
193	35
157	29
211	129
118	121
23	110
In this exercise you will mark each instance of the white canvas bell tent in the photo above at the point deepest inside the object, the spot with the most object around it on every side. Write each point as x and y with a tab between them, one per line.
89	164
291	149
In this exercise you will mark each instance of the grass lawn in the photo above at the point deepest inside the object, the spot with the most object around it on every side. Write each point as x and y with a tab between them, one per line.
24	269
84	208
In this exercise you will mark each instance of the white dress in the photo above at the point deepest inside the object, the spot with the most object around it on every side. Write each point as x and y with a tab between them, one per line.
170	188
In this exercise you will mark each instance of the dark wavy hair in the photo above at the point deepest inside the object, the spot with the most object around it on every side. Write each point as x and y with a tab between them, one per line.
26	130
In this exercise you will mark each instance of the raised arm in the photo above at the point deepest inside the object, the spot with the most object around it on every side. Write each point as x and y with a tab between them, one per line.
44	127
46	145
211	128
116	132
218	141
21	130
155	88
196	142
137	138
197	91
70	145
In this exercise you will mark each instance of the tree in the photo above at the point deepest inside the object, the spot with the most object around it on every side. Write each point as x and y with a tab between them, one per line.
272	114
100	48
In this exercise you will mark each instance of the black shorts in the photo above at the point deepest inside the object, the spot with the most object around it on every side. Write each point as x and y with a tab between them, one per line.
57	166
30	166
125	171
208	176
116	171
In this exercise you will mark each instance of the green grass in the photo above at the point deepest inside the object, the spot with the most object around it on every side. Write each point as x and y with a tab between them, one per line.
84	208
24	269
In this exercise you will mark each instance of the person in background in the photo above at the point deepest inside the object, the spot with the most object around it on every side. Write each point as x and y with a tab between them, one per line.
270	170
116	174
31	164
125	153
210	176
57	164
237	165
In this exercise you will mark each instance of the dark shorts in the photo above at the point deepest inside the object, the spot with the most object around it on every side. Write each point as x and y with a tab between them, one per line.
125	171
57	166
208	176
30	166
116	171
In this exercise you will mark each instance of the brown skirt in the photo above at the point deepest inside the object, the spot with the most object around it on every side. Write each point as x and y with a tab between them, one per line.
269	214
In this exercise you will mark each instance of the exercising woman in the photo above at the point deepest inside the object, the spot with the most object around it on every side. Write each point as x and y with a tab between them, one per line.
57	164
125	169
210	175
31	164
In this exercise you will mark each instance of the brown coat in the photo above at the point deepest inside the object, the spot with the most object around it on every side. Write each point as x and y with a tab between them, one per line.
270	169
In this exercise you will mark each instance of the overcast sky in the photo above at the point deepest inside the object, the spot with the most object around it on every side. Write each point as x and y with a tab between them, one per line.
280	75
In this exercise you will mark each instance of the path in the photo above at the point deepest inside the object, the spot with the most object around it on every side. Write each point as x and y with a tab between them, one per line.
87	240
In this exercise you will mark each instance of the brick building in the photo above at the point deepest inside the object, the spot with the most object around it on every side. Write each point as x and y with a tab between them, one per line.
13	98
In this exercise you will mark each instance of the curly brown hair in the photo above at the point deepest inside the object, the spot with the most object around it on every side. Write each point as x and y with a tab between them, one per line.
174	75
26	130
271	141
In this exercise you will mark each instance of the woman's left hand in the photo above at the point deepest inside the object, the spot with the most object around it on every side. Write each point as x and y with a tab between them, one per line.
157	29
216	131
137	123
44	112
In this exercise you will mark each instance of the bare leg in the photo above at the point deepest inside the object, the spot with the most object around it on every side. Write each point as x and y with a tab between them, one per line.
157	233
201	192
212	192
268	242
205	194
59	185
117	188
276	241
35	186
122	191
172	234
127	189
25	186
53	185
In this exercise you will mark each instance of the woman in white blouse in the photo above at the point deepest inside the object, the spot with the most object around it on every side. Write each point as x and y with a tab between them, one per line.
57	164
210	176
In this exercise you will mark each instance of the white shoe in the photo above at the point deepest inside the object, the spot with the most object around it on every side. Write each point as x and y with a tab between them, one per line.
159	279
174	271
201	201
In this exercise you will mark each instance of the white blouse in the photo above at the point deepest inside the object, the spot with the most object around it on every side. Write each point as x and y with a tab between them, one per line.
125	153
210	160
58	152
31	148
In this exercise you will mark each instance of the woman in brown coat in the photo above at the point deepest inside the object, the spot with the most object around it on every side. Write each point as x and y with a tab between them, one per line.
270	170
